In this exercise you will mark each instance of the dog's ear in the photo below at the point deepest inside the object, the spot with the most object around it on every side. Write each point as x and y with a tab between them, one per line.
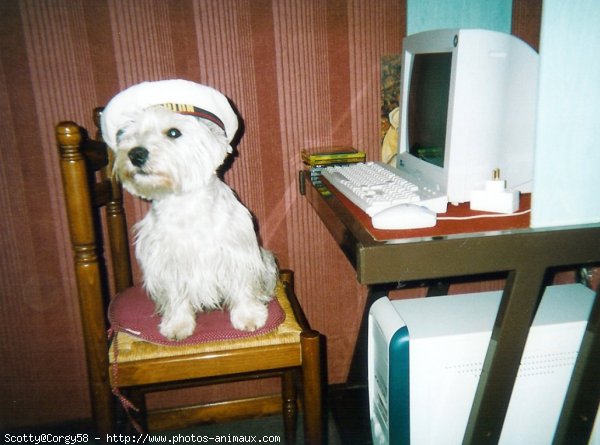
219	133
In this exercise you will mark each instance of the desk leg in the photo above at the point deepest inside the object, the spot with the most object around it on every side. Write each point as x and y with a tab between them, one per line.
581	404
521	297
358	366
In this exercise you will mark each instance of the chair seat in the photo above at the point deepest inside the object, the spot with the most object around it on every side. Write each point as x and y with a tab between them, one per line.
127	348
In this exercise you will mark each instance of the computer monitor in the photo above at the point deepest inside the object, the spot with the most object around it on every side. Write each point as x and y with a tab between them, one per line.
467	107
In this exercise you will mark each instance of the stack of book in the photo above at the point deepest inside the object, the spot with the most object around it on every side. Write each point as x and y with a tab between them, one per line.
315	161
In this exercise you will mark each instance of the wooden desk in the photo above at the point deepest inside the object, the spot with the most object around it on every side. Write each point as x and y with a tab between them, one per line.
460	249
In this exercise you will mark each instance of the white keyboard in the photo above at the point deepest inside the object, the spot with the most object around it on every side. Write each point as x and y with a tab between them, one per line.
375	186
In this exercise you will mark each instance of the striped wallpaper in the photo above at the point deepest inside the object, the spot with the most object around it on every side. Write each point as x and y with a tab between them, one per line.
301	73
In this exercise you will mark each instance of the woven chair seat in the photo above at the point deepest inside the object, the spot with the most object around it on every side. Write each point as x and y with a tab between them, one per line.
281	329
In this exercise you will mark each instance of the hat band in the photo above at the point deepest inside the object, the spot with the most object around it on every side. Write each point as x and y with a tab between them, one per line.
195	111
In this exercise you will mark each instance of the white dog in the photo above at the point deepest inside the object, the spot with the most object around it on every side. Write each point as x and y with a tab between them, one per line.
197	246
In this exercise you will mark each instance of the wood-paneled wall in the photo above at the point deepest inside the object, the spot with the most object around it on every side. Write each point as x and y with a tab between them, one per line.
301	73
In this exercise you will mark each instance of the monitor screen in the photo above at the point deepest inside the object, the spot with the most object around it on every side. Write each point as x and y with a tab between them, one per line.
428	106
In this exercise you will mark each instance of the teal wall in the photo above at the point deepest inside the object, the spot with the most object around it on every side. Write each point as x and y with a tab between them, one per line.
566	186
423	15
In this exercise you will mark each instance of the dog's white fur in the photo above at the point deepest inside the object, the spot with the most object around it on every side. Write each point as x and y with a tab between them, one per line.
196	246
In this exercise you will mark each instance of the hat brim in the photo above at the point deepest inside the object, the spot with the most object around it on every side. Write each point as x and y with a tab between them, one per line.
208	103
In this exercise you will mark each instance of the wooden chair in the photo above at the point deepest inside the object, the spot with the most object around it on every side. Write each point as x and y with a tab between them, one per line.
290	351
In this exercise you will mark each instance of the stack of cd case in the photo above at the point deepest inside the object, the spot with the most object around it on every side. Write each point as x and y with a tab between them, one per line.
317	159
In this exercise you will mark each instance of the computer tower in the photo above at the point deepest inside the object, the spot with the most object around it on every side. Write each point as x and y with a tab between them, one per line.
426	355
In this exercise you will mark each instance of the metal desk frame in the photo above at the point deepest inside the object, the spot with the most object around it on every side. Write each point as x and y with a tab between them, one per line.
526	255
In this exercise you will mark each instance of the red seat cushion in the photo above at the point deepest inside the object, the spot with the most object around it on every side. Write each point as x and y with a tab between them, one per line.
133	312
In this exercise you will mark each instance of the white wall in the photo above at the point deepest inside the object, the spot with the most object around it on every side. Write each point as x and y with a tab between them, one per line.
566	188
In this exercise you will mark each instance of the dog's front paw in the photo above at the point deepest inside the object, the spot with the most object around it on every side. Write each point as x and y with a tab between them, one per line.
178	327
249	316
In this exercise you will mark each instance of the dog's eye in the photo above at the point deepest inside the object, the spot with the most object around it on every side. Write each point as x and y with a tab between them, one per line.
173	133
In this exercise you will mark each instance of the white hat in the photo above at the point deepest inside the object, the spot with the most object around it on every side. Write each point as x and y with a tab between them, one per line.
179	95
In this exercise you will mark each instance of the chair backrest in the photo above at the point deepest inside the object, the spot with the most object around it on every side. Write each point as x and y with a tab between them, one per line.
86	165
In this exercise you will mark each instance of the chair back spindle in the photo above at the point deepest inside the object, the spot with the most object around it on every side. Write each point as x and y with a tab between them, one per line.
78	199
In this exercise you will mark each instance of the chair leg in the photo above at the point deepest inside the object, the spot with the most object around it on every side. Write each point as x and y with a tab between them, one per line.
311	380
289	408
103	409
136	418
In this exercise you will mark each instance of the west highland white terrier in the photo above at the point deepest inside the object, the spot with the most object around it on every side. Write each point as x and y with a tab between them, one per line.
197	246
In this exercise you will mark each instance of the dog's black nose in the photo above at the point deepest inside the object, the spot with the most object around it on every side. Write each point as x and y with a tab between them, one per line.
138	156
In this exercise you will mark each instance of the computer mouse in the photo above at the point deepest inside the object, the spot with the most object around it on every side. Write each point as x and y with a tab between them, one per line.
404	216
